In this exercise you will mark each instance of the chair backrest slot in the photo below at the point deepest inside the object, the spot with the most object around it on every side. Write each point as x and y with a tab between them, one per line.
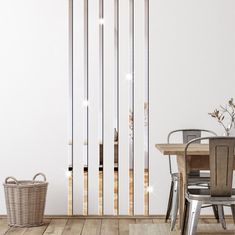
190	135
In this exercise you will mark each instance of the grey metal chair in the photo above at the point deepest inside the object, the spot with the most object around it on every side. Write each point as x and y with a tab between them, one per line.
220	191
172	208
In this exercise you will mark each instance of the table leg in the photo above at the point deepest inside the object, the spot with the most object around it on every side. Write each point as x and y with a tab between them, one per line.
181	200
181	169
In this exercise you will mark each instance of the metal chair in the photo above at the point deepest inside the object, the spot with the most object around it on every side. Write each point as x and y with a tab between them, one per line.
220	191
172	208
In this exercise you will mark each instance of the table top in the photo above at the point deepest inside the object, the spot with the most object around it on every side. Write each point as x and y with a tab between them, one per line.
178	149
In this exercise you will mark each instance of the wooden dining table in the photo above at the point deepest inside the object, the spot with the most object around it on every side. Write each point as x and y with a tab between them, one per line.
199	160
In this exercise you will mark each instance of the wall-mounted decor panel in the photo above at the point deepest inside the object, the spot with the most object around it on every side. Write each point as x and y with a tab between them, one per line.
110	76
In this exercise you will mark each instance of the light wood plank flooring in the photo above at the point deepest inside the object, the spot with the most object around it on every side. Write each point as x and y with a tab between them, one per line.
89	226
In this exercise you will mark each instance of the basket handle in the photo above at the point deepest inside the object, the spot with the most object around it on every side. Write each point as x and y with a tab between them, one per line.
44	177
12	178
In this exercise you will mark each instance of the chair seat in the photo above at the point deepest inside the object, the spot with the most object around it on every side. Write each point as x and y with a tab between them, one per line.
203	194
203	178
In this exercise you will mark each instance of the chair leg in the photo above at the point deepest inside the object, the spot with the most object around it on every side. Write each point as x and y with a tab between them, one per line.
216	214
233	212
175	204
221	216
185	218
194	213
169	206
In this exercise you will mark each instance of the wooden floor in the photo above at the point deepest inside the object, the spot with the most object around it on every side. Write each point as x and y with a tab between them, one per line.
75	226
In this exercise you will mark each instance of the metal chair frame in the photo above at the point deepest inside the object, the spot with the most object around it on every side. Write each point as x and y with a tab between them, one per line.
172	208
220	191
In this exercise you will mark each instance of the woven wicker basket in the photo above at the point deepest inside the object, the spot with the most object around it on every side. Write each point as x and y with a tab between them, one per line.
25	201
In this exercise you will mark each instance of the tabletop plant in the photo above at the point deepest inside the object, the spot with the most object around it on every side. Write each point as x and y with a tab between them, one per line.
225	116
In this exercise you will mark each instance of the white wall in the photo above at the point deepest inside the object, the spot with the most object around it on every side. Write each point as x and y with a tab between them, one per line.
192	71
192	58
33	95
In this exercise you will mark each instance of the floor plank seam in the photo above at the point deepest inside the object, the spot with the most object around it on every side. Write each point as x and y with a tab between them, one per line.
83	227
65	226
46	228
118	228
7	231
101	226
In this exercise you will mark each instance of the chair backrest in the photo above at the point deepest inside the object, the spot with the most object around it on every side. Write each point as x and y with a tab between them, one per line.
221	158
188	135
221	165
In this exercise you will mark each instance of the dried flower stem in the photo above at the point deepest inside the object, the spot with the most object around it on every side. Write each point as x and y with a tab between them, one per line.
219	115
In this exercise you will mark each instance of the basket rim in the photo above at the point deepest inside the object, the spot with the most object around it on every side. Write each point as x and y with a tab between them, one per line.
25	183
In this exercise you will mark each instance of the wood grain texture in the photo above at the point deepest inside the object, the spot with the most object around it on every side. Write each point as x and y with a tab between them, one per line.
16	231
144	221
56	227
74	227
181	169
164	229
92	227
109	227
3	226
115	226
221	166
199	154
178	149
124	226
150	229
38	230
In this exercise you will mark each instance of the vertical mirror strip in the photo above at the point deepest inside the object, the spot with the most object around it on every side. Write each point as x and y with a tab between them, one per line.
153	196
148	188
78	109
70	118
109	108
116	102
85	105
124	82
131	108
139	94
93	109
101	129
